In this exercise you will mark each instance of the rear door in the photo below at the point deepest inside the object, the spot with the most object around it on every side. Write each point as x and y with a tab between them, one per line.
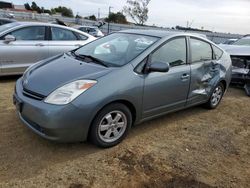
64	40
29	47
168	91
204	71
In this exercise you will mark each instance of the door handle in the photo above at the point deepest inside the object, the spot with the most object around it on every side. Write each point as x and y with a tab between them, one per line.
185	76
40	44
78	45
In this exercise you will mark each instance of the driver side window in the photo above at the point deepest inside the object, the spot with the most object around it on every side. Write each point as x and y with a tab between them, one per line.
29	33
173	52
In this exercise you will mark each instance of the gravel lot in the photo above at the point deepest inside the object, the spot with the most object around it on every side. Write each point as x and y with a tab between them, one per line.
194	147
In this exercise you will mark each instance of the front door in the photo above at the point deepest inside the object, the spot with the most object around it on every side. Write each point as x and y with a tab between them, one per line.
29	47
164	92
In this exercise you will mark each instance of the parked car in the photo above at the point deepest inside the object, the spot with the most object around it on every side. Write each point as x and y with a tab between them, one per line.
24	43
240	55
230	41
99	90
8	15
94	31
5	21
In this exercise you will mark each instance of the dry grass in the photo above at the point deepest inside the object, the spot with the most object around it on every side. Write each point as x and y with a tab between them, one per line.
191	148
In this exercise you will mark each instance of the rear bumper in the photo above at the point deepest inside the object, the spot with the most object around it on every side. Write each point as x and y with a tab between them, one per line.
65	123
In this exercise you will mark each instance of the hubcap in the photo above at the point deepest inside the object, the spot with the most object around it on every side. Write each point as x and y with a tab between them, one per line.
112	126
216	96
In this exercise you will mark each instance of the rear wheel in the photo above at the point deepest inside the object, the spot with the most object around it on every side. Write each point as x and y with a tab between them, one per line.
111	125
216	96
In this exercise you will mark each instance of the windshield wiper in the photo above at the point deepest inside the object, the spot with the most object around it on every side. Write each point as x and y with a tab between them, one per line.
95	60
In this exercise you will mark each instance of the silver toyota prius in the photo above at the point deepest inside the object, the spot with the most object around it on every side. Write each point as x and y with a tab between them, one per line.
101	89
24	43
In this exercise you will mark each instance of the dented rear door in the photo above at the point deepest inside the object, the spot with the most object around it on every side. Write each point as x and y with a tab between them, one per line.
204	71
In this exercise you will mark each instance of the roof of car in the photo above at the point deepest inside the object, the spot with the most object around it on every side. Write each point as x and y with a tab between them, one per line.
49	24
41	23
151	32
160	33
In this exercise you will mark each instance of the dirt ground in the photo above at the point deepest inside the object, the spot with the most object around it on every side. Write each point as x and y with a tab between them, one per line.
196	148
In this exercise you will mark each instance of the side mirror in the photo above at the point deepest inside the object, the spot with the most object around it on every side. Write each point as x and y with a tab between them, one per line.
9	38
158	67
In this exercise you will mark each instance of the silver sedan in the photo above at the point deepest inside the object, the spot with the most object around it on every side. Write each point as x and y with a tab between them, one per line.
25	43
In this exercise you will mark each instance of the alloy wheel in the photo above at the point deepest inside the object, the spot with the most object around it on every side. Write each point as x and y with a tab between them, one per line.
217	95
112	126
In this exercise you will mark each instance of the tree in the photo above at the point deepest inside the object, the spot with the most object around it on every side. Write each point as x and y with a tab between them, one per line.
47	11
137	10
116	18
34	7
63	10
27	6
92	17
78	16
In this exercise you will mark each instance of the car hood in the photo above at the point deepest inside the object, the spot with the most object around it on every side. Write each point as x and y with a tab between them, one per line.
236	50
46	76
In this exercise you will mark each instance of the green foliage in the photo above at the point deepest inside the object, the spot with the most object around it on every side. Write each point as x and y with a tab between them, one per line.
27	6
137	10
63	10
117	18
34	7
92	17
78	16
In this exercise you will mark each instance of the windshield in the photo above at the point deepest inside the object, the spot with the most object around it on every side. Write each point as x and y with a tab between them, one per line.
7	26
117	49
243	41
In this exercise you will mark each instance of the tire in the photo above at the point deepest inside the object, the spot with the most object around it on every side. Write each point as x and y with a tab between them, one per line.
111	125
216	96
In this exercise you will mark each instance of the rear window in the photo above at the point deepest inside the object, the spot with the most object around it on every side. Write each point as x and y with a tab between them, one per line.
217	53
200	50
81	36
61	34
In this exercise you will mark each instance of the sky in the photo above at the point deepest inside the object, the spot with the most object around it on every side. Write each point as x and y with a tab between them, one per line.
230	16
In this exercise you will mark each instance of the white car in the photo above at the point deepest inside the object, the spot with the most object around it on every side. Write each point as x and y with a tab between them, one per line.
25	43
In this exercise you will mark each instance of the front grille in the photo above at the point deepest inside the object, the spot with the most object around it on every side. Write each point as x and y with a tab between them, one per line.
33	95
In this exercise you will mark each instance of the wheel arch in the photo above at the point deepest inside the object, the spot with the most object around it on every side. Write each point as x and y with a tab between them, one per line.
127	103
224	84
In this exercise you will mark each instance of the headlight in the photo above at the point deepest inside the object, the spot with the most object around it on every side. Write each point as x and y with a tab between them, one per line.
69	92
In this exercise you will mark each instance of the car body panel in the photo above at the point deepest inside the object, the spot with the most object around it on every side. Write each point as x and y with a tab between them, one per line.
22	55
170	90
36	116
66	68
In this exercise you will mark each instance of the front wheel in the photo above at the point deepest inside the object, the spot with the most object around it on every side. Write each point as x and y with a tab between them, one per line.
111	125
216	96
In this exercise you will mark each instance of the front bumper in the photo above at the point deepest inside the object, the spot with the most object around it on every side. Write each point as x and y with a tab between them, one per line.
65	123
